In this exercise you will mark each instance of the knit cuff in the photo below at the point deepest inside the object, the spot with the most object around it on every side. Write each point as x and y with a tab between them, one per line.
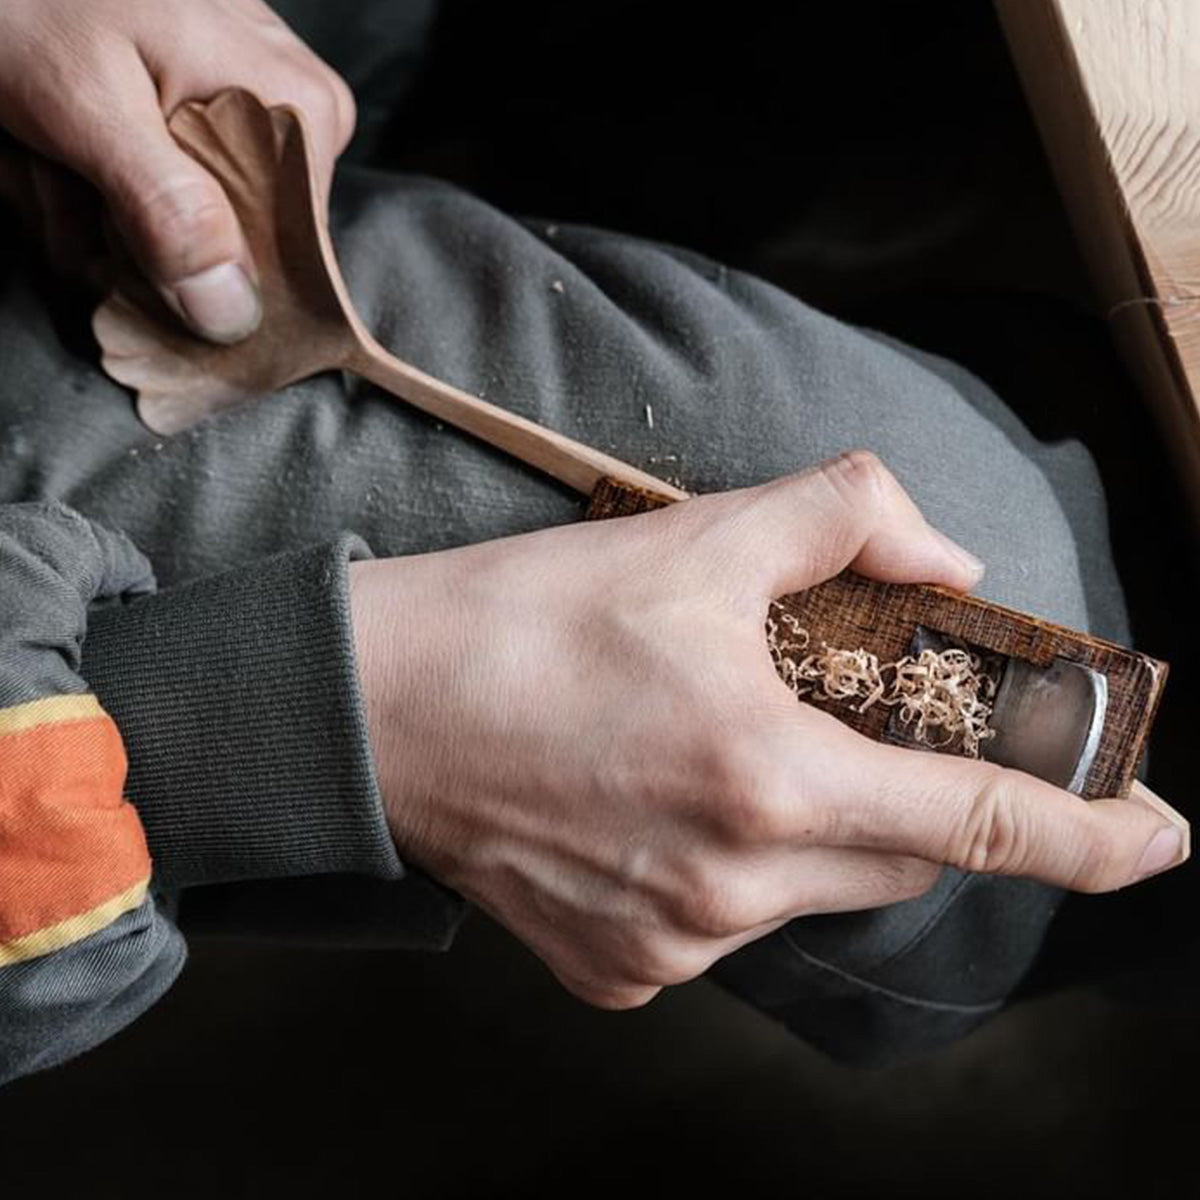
238	700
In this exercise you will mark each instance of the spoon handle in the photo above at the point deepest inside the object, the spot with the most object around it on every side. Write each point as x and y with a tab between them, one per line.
572	462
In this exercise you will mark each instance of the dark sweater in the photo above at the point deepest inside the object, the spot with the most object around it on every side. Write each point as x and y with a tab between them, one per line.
234	688
274	780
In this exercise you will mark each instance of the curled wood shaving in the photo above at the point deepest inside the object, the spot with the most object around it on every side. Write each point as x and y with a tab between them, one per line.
943	695
944	691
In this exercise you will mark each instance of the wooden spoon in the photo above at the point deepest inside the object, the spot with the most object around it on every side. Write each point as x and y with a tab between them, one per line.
262	158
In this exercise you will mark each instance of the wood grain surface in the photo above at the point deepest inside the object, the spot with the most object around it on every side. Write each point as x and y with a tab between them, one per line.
1115	88
851	612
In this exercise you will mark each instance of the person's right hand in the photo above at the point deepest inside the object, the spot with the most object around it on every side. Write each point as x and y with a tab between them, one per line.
86	88
581	731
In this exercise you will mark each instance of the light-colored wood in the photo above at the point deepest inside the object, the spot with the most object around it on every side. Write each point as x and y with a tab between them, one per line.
571	462
1115	88
262	158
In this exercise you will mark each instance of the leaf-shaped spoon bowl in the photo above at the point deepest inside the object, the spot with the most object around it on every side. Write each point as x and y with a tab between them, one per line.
262	158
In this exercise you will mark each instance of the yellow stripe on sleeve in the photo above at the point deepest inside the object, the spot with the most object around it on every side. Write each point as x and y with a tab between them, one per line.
74	929
50	711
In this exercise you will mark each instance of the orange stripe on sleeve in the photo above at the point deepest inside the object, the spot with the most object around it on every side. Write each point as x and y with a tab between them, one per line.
73	929
73	856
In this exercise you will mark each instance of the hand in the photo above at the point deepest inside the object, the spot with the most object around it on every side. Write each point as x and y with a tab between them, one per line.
581	731
86	87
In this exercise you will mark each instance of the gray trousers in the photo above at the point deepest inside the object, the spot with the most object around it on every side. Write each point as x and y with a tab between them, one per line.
580	330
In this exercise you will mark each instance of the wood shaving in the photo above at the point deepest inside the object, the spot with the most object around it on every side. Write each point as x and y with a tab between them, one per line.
942	695
944	691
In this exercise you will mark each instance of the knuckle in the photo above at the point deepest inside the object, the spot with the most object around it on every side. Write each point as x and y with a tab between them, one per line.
611	995
1102	863
319	97
641	960
327	102
859	477
717	907
344	105
994	836
626	998
658	966
183	227
843	499
861	483
865	464
745	808
316	88
909	878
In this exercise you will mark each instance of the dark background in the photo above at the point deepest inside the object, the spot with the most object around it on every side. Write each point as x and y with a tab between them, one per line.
877	159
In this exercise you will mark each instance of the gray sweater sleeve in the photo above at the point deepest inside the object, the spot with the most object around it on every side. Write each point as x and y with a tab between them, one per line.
84	948
238	700
234	703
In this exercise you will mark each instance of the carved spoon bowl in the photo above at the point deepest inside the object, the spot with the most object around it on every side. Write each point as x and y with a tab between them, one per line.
262	158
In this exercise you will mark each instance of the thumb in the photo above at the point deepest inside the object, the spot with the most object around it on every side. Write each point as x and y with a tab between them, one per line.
978	816
176	220
16	183
848	512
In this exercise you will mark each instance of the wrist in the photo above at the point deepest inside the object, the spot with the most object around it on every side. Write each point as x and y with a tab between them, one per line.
392	642
241	711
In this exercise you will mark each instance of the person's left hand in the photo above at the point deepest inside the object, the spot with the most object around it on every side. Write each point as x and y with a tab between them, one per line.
86	89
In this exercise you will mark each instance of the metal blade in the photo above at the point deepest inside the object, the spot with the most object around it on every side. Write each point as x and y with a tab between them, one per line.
1048	721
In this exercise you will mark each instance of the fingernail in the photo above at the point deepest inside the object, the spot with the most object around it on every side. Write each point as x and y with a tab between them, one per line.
1139	791
221	303
968	560
1164	850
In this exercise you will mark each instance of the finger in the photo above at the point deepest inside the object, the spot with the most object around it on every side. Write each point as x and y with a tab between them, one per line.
70	220
327	107
816	882
1143	795
16	187
283	71
324	101
980	817
173	215
600	993
737	892
847	512
839	880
